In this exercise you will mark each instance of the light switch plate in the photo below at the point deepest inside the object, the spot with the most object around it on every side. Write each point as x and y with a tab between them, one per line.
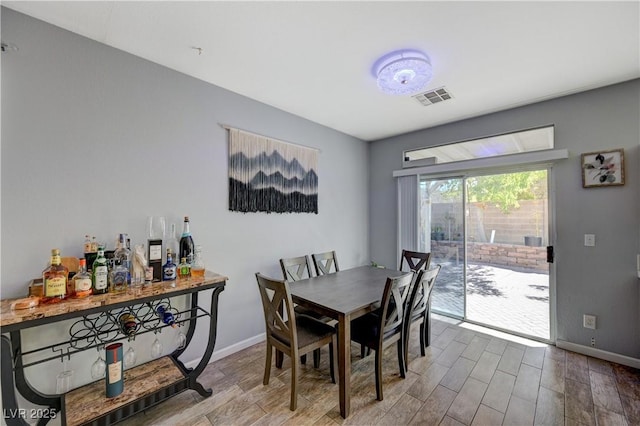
589	240
589	321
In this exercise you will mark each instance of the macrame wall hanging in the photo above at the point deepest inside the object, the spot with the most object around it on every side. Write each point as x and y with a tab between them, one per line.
268	175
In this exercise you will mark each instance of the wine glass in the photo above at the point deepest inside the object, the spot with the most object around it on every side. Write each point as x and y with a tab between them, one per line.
156	349
156	227
130	357
180	340
98	367
63	379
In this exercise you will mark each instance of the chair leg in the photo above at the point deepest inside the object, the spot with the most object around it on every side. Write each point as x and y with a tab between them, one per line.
279	358
401	364
332	349
294	383
427	332
422	339
428	327
379	374
364	351
316	358
267	365
407	332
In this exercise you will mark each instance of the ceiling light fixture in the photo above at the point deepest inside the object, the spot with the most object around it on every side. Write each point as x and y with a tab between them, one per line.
403	72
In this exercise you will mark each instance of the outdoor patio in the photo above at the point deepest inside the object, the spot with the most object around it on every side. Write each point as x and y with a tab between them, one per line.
507	298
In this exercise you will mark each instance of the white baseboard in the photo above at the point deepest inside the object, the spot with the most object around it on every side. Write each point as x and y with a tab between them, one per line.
224	352
599	353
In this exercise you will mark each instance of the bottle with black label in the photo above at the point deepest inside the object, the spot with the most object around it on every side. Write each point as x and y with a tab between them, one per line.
187	249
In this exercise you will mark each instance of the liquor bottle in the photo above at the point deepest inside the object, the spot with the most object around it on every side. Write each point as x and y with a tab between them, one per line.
169	269
197	267
87	244
114	379
94	244
122	257
54	279
186	242
82	286
166	316
184	269
118	279
128	325
99	273
172	241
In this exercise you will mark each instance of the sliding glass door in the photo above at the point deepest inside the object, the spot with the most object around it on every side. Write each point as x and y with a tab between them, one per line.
442	234
489	232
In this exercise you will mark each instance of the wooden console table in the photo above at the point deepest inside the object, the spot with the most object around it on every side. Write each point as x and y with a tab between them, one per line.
145	385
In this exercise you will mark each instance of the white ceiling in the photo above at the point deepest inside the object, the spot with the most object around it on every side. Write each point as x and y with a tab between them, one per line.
314	59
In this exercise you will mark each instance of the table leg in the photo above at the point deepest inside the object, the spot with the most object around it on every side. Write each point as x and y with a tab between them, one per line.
344	364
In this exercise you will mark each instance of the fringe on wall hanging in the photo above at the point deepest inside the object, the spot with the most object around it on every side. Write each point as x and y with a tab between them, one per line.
268	175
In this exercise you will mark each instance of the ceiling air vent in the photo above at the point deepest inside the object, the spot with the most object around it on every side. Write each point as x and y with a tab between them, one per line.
433	96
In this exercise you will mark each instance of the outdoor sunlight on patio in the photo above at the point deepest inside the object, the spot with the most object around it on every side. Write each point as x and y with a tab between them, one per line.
499	297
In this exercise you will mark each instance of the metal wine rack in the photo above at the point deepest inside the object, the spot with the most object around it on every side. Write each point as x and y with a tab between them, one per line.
99	329
96	324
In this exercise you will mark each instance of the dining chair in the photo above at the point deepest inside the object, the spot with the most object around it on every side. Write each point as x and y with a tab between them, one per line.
419	308
290	333
384	326
324	261
295	269
415	260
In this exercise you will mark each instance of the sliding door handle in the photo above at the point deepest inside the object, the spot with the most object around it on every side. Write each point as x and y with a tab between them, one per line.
550	254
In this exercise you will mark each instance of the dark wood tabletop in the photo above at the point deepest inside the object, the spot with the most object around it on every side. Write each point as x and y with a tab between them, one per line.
344	292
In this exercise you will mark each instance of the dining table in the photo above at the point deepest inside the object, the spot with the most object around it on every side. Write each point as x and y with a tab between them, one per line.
343	296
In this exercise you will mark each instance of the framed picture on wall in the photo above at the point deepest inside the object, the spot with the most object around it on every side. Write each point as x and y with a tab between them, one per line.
603	168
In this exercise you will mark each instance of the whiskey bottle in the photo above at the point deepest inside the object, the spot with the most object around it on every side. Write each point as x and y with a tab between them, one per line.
184	269
54	279
186	242
100	273
169	268
82	286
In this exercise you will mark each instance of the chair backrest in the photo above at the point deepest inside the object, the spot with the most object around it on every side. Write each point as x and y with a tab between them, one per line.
279	315
419	299
296	268
324	262
394	299
415	260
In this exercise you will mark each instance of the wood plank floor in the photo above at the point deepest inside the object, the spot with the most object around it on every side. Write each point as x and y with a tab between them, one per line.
470	376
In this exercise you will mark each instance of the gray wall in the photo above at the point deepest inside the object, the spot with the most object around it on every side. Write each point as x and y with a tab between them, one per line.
94	140
599	280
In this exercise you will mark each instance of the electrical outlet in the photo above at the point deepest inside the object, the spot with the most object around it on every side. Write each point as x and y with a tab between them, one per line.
589	321
593	342
589	240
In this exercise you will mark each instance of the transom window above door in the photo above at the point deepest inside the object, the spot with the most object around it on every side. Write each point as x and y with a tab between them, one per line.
493	146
